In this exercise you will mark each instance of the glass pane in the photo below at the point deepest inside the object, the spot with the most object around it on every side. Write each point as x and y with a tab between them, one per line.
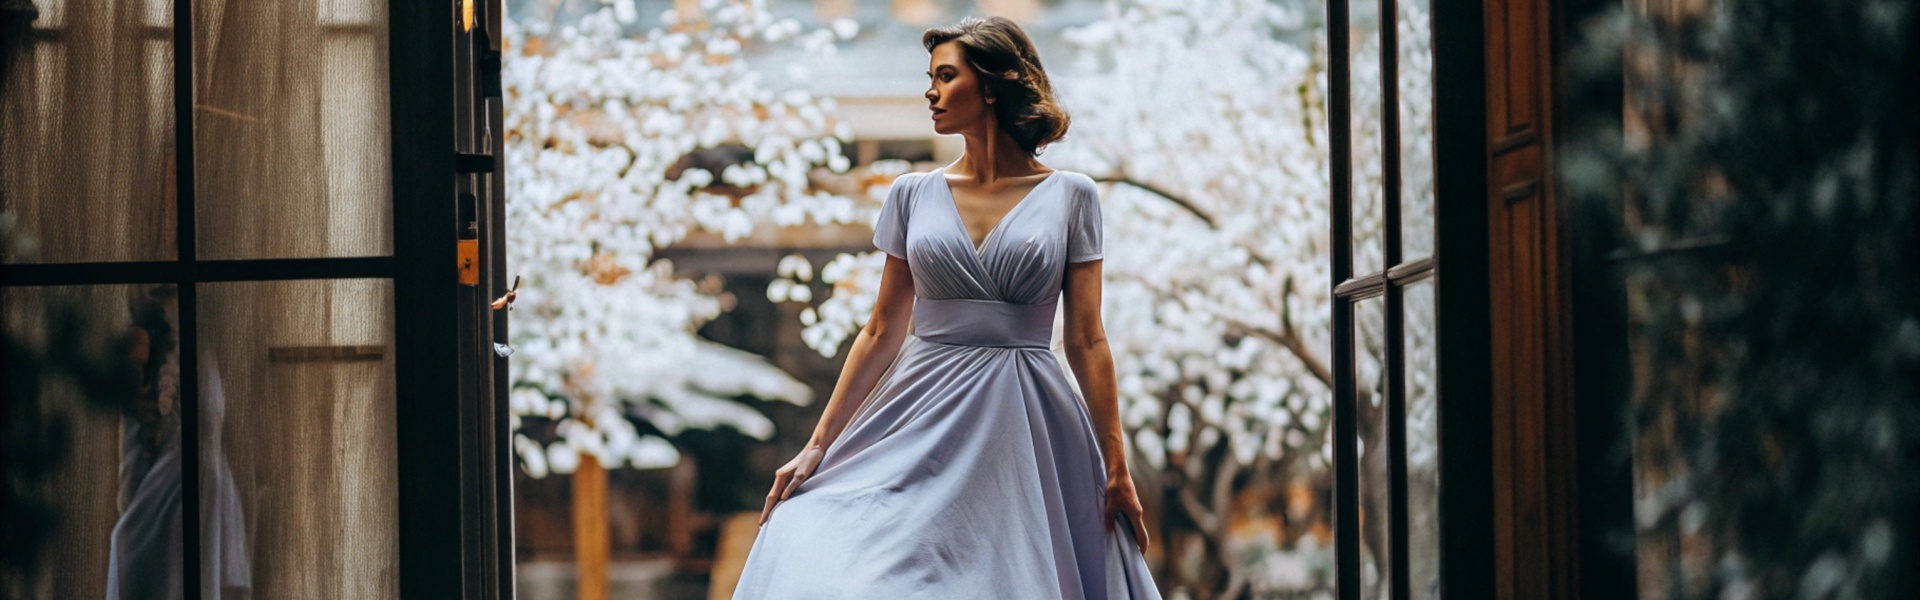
1416	129
1368	246
86	132
1369	365
100	474
291	128
299	480
1423	443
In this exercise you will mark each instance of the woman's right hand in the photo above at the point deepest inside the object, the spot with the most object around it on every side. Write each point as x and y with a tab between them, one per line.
791	476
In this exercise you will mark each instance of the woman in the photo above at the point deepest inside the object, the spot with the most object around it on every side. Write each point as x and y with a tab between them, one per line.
957	462
144	559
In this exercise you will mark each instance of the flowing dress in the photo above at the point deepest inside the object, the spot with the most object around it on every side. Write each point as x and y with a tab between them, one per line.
144	560
971	471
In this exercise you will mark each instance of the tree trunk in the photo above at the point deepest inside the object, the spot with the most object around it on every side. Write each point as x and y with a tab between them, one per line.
590	528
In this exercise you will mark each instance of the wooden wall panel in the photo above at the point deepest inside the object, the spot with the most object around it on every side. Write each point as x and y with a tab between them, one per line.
1532	458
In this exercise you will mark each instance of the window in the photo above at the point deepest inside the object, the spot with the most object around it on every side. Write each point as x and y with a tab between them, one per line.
1385	393
223	172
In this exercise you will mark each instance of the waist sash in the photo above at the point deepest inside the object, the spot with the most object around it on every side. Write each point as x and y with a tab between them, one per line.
992	323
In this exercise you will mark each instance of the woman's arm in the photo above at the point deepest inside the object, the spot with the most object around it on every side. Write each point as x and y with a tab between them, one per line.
1085	338
874	350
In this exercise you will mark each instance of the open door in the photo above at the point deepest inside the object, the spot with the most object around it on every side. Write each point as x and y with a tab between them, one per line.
310	192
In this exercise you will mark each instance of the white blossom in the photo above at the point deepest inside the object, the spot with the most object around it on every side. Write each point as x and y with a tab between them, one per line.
599	128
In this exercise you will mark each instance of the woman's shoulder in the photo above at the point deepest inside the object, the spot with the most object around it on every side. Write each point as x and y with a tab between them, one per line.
906	186
1077	182
911	182
1074	179
1070	173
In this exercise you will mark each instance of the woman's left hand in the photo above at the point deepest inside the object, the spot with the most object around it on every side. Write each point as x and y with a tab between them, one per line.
1122	499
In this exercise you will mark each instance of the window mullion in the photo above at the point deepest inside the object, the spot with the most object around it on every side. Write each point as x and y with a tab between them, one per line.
1396	574
1340	217
188	321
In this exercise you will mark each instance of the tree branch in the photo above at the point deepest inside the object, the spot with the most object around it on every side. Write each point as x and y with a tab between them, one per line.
1236	583
1179	201
1223	484
1286	337
1290	338
1209	523
1199	419
1222	506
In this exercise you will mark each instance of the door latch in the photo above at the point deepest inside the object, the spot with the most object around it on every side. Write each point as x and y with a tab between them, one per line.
469	254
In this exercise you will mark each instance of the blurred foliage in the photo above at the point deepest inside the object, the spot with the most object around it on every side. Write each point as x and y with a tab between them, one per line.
74	364
1771	177
71	366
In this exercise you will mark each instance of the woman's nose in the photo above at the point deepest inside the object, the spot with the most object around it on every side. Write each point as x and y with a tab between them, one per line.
930	95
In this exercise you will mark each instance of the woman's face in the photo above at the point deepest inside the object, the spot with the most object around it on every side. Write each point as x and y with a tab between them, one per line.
955	95
138	346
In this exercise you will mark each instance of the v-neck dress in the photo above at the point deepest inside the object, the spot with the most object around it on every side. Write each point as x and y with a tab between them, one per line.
971	471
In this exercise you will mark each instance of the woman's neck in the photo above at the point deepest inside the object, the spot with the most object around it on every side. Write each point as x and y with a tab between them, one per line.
991	155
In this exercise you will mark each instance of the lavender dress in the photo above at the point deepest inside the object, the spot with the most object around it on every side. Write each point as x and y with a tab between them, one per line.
971	472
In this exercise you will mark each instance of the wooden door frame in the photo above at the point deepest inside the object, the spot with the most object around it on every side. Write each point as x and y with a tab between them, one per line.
456	516
1532	477
1461	299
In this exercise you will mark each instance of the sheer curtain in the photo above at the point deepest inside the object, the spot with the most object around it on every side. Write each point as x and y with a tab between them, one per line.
85	485
86	125
292	141
305	379
291	160
86	140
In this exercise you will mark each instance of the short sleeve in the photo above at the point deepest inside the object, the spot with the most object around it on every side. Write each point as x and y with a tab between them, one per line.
1083	232
890	232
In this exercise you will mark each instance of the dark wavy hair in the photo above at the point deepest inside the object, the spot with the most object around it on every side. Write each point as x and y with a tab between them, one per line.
149	309
1005	59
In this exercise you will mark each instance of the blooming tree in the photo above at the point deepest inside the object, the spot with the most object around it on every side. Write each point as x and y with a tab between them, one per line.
621	145
1218	293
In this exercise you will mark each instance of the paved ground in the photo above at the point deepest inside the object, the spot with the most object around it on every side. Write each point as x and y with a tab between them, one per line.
627	580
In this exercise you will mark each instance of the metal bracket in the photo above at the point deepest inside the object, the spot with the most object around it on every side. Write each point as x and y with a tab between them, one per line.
465	162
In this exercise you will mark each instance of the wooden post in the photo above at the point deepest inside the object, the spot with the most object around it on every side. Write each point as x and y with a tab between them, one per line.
590	544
